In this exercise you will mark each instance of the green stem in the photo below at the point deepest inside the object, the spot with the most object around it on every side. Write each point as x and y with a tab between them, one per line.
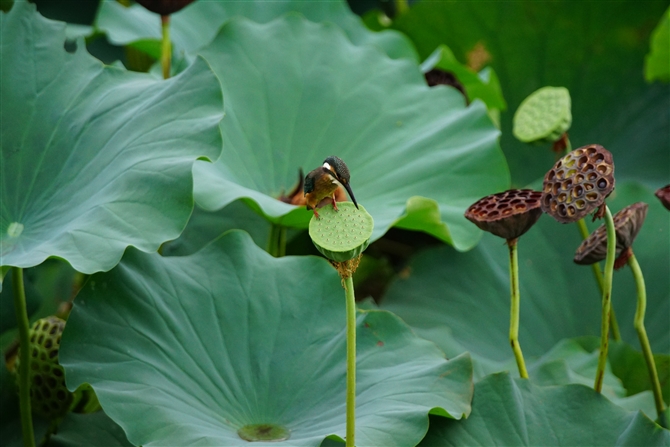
598	274
607	299
277	241
644	340
166	49
24	368
514	308
351	361
401	7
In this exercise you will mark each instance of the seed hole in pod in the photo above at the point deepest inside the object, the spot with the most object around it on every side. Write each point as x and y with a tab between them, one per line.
579	178
546	188
515	201
46	368
53	330
553	207
506	212
578	152
569	163
493	213
520	207
591	196
37	380
588	168
61	395
43	357
559	164
561	197
566	184
51	382
555	188
571	172
46	392
561	210
40	340
45	326
546	200
34	366
560	175
599	158
582	160
578	191
602	183
48	344
590	151
603	169
571	210
32	339
551	175
588	186
35	353
57	372
591	176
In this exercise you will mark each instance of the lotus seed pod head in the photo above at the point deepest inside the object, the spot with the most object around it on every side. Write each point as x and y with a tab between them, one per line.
164	7
48	393
543	116
507	214
341	235
663	195
578	183
627	224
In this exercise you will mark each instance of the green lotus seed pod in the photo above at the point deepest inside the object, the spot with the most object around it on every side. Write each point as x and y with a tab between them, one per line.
543	116
341	235
48	393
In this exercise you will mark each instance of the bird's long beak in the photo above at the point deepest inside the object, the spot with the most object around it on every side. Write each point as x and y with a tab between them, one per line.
351	194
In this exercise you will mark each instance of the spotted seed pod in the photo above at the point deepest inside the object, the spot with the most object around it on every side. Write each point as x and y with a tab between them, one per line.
49	395
507	214
627	224
164	7
663	195
578	183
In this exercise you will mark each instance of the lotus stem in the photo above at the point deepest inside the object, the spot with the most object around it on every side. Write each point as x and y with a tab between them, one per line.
514	308
401	7
607	299
24	368
166	49
598	274
351	360
277	241
644	340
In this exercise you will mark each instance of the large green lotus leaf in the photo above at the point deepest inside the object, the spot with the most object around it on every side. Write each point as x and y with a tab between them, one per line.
657	62
94	158
514	412
595	49
461	300
297	92
231	336
86	430
196	25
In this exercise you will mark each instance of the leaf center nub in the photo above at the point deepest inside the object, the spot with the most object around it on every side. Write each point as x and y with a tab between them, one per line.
264	432
15	229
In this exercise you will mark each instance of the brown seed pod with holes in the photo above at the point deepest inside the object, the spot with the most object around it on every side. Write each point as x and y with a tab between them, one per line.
164	7
663	195
627	224
507	214
578	183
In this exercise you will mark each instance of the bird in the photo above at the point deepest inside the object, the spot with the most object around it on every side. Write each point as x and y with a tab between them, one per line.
321	184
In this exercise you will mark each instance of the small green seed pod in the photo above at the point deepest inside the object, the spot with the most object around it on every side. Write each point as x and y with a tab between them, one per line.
543	116
341	235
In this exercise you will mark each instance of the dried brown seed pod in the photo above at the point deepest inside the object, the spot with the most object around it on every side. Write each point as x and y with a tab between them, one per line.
663	195
507	214
627	224
164	7
578	183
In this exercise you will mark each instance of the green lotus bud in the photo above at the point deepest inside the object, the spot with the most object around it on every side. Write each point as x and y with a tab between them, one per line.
543	116
341	235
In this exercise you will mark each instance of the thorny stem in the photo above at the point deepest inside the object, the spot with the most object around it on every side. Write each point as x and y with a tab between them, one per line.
644	340
24	368
351	360
514	308
607	299
166	49
598	274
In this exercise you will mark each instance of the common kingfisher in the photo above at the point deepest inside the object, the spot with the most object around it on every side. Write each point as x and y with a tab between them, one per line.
321	184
